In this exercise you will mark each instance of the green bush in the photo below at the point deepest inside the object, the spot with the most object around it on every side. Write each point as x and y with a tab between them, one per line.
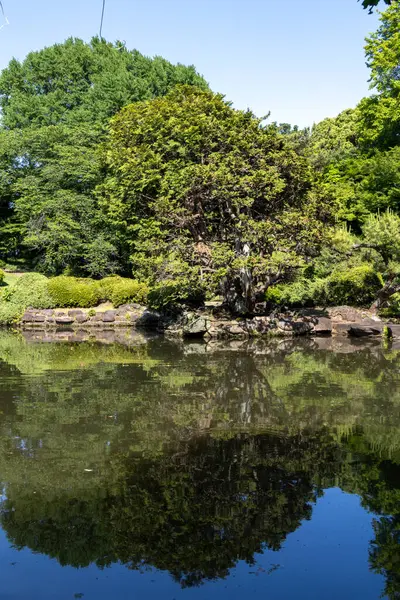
170	294
108	284
2	276
29	290
357	286
128	290
303	292
73	292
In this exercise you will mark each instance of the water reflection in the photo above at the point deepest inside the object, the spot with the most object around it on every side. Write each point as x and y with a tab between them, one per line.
188	458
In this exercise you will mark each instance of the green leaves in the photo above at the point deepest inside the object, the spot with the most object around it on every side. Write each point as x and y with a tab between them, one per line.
195	182
56	105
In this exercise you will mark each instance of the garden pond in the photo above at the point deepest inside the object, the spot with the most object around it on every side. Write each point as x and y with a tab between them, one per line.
183	471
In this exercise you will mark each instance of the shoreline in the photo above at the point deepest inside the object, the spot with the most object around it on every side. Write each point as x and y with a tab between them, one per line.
212	323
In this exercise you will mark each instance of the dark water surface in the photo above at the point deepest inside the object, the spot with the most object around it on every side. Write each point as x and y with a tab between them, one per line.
186	471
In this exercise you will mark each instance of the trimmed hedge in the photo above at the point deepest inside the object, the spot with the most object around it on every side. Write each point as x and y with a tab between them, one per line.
85	293
300	293
30	290
73	292
128	291
357	286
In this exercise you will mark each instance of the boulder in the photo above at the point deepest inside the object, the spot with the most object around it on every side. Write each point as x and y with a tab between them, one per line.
321	326
64	320
298	327
195	326
363	331
75	312
109	316
150	319
82	318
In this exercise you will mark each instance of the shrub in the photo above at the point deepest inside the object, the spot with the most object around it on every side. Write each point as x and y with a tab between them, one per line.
70	291
303	292
356	286
173	293
128	290
108	284
30	290
2	276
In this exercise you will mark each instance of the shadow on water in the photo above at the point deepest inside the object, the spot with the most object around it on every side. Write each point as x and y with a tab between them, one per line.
192	457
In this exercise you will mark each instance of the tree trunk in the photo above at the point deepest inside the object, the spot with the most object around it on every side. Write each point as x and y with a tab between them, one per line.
238	289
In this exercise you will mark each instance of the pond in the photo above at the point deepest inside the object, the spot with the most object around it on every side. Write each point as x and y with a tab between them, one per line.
158	469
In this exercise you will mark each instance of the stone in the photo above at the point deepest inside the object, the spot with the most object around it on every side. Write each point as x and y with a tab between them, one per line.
195	326
150	319
289	327
28	317
82	318
47	312
109	316
64	320
395	329
97	317
363	331
321	325
341	328
75	312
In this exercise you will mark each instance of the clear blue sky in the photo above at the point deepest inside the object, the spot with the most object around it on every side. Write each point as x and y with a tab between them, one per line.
303	60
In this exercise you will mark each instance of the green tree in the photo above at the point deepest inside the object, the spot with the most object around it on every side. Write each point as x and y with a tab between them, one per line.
202	192
55	109
371	4
380	114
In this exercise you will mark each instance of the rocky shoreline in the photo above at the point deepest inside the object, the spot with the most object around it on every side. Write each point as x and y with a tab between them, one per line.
213	323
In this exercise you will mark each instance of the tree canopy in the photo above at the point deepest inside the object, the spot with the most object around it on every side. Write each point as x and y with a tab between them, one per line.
202	191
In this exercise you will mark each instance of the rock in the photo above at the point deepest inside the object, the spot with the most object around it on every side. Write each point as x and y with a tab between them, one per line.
236	329
363	331
98	317
195	326
150	319
289	327
349	314
75	312
28	317
321	325
259	325
47	312
395	329
64	320
82	318
109	316
341	328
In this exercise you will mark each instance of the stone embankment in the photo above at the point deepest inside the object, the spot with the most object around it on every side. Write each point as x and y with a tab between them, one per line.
211	323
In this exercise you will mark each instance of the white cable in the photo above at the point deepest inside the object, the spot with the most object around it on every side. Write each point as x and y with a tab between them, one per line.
6	21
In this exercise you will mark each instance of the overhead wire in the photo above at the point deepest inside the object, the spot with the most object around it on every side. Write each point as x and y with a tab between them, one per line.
6	21
102	18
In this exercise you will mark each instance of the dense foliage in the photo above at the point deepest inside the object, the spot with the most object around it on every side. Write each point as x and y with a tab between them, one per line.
55	109
34	290
114	163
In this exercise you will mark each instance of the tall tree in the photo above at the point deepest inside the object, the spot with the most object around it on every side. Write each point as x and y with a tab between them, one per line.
55	108
201	191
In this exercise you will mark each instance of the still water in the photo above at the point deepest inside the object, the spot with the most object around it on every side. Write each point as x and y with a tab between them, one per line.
183	471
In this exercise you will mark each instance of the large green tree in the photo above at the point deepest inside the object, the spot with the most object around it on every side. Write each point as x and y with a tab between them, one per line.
202	192
55	108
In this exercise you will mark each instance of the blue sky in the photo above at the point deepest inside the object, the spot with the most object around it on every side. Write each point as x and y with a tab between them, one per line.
303	60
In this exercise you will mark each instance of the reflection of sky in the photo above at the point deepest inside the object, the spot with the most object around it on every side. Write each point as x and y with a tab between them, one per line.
325	559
